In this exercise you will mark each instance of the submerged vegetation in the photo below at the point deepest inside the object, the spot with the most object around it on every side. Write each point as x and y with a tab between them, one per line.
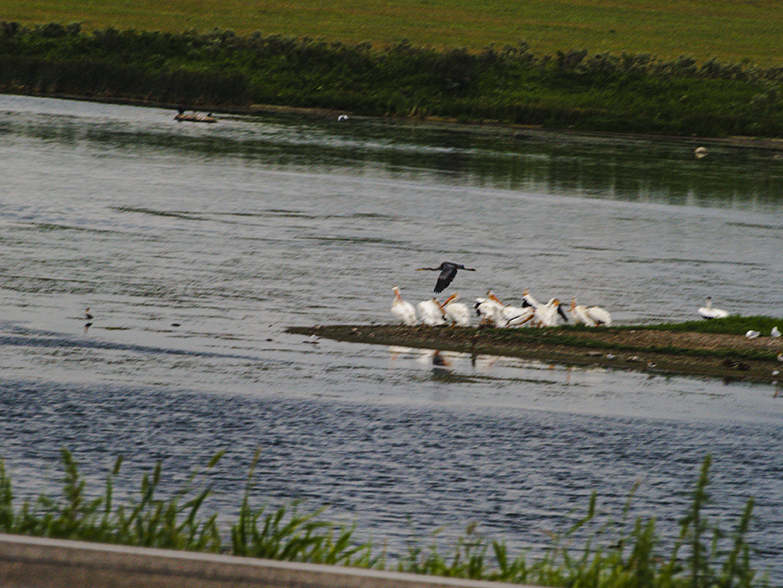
511	85
624	553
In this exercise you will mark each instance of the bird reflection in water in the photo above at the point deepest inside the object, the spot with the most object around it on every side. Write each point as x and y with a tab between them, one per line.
439	362
441	367
88	320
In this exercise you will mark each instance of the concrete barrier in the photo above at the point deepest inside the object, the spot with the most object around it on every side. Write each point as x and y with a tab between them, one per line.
34	562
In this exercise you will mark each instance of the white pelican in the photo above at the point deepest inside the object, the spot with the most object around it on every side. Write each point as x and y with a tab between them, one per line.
431	313
600	316
579	314
708	312
549	314
528	300
489	309
447	271
516	315
511	316
775	332
402	309
752	334
456	312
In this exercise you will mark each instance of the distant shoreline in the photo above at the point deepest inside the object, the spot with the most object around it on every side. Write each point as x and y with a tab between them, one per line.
761	143
728	357
568	91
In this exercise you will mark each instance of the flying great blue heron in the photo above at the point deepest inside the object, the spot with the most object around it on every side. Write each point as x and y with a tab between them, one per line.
447	271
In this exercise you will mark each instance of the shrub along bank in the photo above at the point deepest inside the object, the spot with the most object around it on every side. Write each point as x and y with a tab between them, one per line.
509	85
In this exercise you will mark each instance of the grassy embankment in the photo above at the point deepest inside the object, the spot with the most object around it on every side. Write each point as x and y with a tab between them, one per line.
716	348
643	70
623	554
730	31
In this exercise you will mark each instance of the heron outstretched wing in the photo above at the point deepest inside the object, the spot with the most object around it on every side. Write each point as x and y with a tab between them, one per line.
445	278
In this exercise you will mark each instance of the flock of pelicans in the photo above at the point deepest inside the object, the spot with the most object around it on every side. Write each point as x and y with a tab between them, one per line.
490	310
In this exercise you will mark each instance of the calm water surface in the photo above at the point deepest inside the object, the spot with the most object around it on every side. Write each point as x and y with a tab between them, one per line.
195	246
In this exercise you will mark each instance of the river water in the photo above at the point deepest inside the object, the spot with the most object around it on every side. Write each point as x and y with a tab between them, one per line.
195	246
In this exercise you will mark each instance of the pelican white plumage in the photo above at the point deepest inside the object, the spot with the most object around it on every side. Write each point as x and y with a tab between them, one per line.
600	316
545	315
549	314
403	309
528	300
489	309
516	316
775	332
708	312
431	313
512	316
579	314
456	312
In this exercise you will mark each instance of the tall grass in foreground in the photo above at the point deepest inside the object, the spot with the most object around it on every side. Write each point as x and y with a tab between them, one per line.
617	555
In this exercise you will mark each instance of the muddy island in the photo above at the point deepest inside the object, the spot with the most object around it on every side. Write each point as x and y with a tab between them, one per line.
728	356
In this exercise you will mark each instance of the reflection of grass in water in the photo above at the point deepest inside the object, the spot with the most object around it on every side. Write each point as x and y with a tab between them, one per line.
615	554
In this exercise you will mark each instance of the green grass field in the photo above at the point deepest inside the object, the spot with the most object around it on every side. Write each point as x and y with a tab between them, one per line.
730	30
